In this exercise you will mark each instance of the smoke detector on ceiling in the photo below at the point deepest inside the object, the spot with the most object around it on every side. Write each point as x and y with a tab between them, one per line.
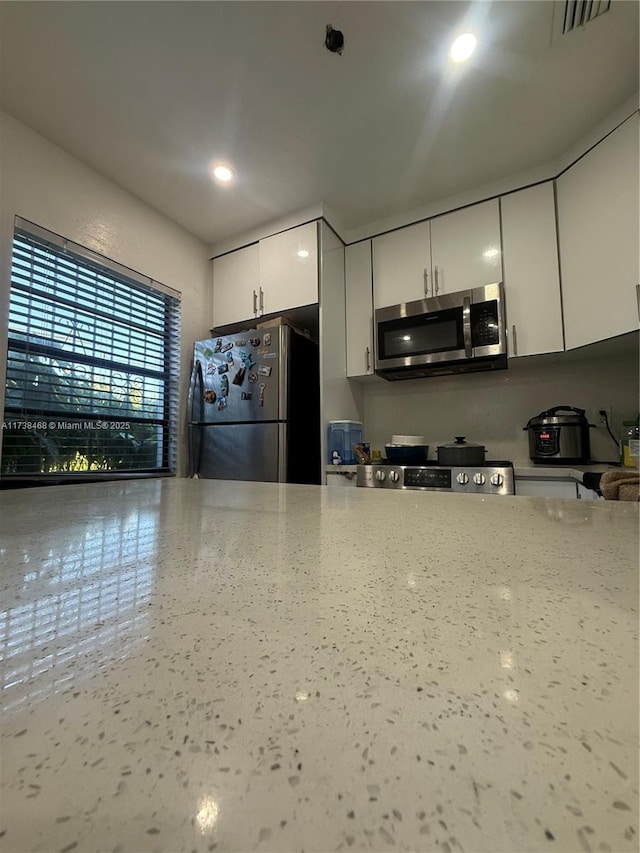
334	40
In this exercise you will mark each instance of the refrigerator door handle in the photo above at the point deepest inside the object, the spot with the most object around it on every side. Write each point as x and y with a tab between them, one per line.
195	443
195	450
282	452
195	380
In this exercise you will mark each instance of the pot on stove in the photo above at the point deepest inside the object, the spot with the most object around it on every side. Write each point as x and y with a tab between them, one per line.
461	452
559	435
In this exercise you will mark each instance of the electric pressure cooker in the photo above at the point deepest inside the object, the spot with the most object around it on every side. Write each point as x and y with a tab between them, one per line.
559	435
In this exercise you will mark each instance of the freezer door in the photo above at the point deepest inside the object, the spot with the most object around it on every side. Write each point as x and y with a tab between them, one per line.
244	376
243	452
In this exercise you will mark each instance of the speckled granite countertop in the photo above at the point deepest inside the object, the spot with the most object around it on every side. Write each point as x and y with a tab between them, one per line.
199	665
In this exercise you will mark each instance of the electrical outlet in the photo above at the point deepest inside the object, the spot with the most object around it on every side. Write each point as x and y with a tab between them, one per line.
601	419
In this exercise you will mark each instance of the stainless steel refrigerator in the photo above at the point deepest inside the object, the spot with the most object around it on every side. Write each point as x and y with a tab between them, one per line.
254	407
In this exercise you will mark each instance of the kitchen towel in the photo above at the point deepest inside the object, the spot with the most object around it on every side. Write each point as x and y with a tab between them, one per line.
620	486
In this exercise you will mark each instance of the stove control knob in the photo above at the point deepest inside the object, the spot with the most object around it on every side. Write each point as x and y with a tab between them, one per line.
394	476
380	476
479	479
497	479
462	478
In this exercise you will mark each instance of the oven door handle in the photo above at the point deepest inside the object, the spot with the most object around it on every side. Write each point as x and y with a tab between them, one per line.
466	326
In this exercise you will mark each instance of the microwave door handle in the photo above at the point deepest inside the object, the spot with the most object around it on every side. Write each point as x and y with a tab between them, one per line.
466	326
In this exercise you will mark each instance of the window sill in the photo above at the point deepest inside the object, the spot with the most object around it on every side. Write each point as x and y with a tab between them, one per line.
23	481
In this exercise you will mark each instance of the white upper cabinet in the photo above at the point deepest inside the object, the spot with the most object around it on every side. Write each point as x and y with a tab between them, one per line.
289	269
453	252
402	265
276	274
465	248
236	286
598	230
358	281
531	277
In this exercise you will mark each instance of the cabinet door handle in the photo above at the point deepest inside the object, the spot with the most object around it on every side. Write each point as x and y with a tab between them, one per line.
255	304
515	339
436	276
261	301
368	355
426	283
638	299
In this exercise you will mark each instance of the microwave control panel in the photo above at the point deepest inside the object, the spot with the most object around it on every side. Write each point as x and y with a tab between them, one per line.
484	324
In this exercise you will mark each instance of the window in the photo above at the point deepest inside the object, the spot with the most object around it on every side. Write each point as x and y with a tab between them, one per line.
92	365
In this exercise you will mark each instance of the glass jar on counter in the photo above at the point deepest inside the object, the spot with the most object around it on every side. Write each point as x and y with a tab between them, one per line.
630	443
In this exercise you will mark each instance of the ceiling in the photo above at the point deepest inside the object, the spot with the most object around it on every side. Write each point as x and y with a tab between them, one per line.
150	93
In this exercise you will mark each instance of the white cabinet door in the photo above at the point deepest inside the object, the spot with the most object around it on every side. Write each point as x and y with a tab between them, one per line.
341	479
531	276
465	248
546	488
358	282
289	269
402	265
235	286
598	229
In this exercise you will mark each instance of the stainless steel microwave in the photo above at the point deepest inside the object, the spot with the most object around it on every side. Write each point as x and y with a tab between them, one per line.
452	333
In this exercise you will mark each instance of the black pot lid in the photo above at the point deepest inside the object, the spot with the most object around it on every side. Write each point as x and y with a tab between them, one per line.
460	441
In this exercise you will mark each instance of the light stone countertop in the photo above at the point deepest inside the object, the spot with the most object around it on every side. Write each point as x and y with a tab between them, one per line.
197	665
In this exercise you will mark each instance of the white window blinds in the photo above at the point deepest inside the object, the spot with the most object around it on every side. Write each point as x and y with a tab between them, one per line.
92	364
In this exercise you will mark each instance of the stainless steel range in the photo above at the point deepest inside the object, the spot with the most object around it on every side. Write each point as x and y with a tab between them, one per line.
492	478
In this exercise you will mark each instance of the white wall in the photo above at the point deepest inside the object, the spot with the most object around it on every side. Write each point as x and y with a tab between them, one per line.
42	183
492	408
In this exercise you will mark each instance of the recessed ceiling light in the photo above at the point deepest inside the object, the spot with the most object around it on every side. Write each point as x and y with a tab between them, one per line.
463	47
303	253
223	173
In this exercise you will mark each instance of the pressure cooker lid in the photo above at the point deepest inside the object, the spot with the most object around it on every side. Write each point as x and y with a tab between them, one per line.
559	416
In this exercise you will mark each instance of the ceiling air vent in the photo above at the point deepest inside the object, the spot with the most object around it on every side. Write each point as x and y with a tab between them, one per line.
578	13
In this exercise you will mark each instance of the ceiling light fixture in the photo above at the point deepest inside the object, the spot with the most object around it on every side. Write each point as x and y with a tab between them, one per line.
303	253
222	173
463	47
